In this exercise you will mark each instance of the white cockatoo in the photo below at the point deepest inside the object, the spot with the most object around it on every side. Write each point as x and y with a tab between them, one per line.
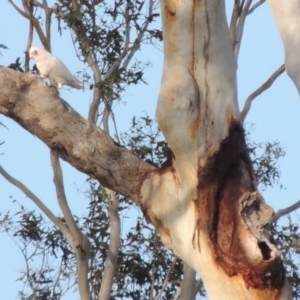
53	68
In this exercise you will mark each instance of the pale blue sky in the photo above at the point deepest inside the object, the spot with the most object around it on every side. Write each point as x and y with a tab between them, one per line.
275	115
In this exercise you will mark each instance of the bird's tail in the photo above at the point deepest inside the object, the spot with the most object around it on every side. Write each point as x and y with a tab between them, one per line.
77	84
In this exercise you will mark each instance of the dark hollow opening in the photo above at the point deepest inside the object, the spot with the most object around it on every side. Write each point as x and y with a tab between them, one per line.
265	250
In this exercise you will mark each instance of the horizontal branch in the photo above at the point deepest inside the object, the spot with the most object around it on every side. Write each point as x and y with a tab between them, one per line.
26	99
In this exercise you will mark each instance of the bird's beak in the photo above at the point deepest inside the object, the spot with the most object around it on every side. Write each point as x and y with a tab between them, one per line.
32	54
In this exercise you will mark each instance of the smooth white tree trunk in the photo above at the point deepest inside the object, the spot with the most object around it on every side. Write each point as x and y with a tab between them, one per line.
287	17
198	201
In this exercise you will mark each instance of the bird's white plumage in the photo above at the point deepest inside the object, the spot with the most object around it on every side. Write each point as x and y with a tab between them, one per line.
53	68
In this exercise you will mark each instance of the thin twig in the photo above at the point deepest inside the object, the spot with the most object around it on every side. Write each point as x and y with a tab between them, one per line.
89	57
234	18
255	6
57	222
153	271
136	45
240	29
285	211
198	286
166	279
178	293
260	90
36	23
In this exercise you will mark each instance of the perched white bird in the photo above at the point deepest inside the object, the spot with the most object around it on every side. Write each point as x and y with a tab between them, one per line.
53	68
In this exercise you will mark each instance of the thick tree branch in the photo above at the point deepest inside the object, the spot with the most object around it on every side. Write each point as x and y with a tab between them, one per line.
204	202
38	108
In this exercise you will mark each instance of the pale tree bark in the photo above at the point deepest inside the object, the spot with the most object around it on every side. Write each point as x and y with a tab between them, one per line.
71	232
188	283
204	201
287	15
79	242
207	220
113	251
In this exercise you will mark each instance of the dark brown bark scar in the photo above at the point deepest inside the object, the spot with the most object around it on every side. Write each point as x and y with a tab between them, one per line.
229	209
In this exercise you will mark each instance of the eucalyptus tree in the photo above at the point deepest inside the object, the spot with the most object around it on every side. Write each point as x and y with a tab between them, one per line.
203	200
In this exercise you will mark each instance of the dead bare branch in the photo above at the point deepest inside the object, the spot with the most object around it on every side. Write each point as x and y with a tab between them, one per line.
18	9
198	286
234	18
89	57
61	196
255	6
240	29
79	241
260	90
114	244
188	283
166	279
36	24
29	5
285	211
57	222
48	14
38	4
136	43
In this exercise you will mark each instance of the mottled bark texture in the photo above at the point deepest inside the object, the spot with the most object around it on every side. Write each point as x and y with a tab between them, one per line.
204	202
39	109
